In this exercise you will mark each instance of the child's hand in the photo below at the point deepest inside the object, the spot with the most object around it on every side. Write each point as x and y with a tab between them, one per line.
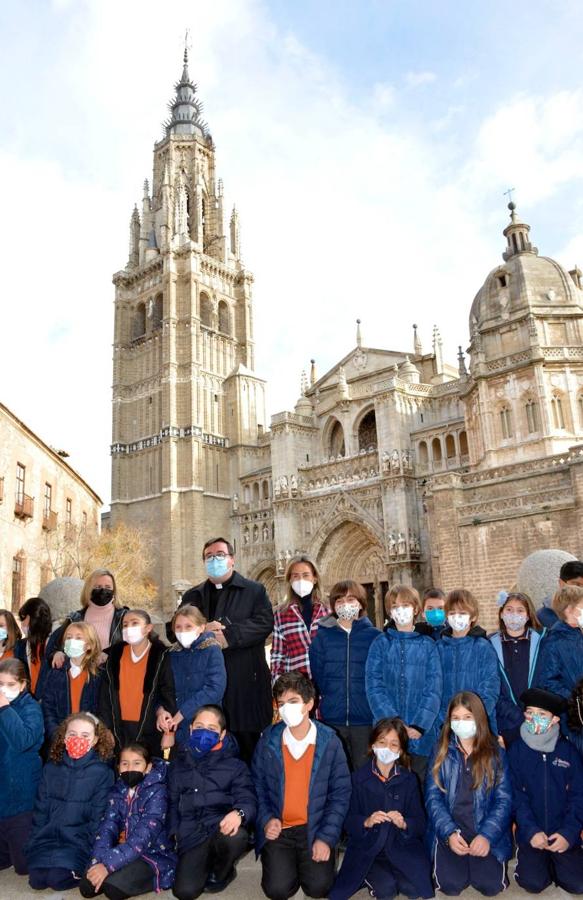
58	660
97	875
480	846
458	844
175	721
376	818
272	829
230	824
413	733
397	819
163	720
501	742
557	843
320	851
539	841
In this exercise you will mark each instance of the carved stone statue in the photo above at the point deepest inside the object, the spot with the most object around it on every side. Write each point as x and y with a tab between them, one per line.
255	534
277	488
281	563
392	545
284	485
294	485
235	502
395	462
401	545
265	531
406	458
342	384
245	535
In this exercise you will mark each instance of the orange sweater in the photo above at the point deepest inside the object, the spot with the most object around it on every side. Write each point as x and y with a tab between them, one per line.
131	685
296	773
76	686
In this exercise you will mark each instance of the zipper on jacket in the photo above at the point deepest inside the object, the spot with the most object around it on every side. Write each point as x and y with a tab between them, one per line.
545	788
152	692
348	633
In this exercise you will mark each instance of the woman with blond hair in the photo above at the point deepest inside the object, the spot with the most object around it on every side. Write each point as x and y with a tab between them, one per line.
517	644
75	686
296	620
468	798
100	608
198	670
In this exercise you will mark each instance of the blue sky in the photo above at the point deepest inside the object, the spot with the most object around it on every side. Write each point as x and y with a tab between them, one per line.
367	146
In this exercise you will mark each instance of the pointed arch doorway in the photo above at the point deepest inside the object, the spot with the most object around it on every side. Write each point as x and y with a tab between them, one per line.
352	551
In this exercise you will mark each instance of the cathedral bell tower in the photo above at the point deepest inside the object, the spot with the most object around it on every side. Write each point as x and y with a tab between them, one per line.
184	390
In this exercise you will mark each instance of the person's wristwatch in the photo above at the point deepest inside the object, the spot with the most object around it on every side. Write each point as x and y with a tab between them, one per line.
240	813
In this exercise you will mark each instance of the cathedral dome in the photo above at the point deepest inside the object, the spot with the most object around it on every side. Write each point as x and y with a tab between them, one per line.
525	281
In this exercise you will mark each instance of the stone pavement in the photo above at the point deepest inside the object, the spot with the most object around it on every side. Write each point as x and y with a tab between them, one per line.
245	887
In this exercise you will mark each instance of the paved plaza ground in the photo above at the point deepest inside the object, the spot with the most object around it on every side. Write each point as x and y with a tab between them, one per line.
245	887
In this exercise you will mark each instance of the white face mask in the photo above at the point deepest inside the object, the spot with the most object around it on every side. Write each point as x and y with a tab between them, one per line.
514	621
579	618
402	615
74	647
10	693
133	634
187	638
302	588
292	714
464	728
385	755
348	611
458	621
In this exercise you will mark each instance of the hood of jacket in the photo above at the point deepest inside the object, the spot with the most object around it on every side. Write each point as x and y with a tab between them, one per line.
331	621
228	750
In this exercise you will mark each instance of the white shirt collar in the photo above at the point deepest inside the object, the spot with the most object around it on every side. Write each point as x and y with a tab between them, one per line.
135	657
298	748
75	670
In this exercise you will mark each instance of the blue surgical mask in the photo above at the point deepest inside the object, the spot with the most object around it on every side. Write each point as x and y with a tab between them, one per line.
538	724
435	617
386	756
216	568
3	634
202	740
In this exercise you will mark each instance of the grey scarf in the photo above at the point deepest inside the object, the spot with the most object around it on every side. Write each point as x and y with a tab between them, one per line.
542	743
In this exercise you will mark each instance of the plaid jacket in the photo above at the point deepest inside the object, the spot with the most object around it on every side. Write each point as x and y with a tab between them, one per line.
291	639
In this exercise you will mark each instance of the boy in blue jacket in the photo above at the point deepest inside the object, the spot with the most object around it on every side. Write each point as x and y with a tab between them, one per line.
468	659
303	792
561	654
547	778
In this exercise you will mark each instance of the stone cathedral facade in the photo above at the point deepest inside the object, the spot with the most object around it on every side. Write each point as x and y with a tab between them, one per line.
392	465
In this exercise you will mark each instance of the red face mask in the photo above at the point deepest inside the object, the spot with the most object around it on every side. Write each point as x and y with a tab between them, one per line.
77	746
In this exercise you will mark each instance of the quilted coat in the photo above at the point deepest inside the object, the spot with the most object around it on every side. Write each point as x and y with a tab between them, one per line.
509	710
561	659
492	806
21	737
199	678
141	819
202	790
71	800
56	701
337	659
403	678
469	664
329	791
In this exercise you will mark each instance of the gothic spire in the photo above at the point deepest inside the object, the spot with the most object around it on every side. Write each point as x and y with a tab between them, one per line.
186	108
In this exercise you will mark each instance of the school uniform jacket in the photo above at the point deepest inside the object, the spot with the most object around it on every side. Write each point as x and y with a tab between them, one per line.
509	710
56	702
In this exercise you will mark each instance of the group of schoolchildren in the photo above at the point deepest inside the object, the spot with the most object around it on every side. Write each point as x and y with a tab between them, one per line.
430	750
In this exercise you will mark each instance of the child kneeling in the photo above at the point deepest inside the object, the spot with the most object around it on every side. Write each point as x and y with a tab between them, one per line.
468	798
211	802
303	791
547	777
385	823
132	854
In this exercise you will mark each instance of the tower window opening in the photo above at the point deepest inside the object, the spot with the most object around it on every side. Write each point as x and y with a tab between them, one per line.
557	411
502	281
506	423
532	417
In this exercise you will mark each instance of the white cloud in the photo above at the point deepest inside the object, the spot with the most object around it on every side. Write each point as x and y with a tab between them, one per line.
418	79
345	213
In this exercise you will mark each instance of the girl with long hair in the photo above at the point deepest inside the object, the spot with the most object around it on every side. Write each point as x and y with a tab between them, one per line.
136	680
21	737
36	624
9	634
198	670
385	823
517	644
468	799
74	687
71	800
296	620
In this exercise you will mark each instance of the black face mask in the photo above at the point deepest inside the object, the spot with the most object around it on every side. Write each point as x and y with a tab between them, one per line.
132	779
101	596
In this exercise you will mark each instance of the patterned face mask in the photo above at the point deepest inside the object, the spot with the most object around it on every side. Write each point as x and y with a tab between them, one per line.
347	611
538	724
77	747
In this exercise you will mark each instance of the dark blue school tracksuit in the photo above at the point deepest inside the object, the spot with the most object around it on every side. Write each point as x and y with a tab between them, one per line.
548	797
513	682
389	860
460	807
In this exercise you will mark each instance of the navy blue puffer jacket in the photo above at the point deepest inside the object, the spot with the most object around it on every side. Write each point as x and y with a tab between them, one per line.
403	678
199	678
56	701
561	659
203	790
337	661
329	791
71	800
469	664
21	737
492	806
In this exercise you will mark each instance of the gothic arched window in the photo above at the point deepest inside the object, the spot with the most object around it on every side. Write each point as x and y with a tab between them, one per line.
367	432
463	439
139	322
157	312
557	411
336	441
450	446
423	455
206	311
436	451
224	318
532	416
580	406
506	423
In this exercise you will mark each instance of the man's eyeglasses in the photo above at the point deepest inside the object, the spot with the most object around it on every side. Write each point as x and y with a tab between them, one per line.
219	555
